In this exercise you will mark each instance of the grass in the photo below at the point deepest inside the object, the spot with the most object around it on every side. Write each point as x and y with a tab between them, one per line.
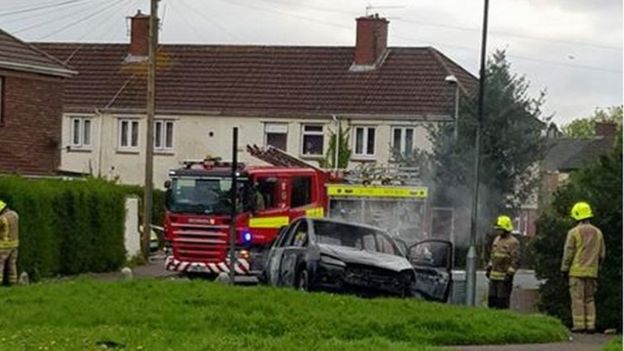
196	315
614	344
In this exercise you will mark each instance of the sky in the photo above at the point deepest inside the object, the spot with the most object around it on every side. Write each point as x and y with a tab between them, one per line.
572	49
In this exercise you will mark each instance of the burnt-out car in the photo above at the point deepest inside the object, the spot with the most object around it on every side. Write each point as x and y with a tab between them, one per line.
329	255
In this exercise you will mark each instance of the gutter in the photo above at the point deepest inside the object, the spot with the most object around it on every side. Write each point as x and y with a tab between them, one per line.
65	73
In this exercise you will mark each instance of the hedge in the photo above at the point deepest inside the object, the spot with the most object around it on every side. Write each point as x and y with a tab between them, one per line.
67	227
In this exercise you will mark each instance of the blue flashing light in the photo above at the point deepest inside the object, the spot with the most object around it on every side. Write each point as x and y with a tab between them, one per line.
247	237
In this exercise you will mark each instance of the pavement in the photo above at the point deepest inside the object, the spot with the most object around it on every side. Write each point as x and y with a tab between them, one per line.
579	342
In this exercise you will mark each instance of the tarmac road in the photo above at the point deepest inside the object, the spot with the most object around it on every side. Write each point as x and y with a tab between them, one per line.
579	342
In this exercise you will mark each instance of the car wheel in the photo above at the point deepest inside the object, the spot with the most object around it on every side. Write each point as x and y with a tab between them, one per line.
303	282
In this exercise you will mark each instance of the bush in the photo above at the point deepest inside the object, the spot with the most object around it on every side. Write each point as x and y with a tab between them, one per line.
67	227
601	186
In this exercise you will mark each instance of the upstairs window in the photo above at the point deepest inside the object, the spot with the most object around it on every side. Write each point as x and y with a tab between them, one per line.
163	135
312	140
276	135
364	140
128	134
80	132
403	140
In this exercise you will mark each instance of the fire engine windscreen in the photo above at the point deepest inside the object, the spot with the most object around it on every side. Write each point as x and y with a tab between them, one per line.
205	195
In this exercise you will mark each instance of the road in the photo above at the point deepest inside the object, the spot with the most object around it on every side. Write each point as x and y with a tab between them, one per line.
579	343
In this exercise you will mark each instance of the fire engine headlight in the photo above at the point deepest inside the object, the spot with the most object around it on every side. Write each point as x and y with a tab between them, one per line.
332	261
243	254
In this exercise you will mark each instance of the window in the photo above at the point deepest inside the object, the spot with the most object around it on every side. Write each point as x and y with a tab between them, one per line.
403	140
276	135
163	135
364	141
301	193
128	134
80	132
266	193
312	140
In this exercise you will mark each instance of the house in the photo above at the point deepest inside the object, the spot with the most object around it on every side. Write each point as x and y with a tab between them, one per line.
291	97
31	108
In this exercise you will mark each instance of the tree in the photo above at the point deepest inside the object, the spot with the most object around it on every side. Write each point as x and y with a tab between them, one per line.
511	143
586	127
344	152
601	186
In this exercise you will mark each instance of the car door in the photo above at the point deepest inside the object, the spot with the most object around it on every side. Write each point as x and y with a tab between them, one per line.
274	257
432	260
293	252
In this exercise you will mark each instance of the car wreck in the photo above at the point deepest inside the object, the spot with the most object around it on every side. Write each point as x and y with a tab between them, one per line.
329	255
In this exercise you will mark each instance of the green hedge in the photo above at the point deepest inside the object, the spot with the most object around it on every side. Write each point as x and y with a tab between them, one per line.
67	227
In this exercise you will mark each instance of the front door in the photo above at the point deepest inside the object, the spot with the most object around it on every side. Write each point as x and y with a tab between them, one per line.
432	261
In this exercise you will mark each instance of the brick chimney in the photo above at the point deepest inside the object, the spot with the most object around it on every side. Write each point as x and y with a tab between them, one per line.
371	42
139	35
606	130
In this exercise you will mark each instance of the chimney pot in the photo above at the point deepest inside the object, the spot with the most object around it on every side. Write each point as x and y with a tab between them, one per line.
371	40
139	34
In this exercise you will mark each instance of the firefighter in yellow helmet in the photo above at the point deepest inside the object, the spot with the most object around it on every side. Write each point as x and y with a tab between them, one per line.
583	252
8	244
504	261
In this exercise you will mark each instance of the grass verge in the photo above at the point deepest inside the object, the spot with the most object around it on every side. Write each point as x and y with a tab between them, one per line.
196	315
614	344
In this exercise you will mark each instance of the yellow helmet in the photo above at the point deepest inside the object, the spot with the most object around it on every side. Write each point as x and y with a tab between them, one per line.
3	205
504	223
581	210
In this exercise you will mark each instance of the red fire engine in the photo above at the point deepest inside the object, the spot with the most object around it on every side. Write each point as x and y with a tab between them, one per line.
198	219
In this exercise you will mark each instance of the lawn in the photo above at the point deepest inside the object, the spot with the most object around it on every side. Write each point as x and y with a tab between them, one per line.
197	315
614	345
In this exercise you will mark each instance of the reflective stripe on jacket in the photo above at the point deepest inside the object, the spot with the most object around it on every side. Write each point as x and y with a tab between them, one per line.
505	257
9	230
584	249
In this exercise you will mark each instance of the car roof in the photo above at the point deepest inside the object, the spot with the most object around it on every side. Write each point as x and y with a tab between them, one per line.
343	222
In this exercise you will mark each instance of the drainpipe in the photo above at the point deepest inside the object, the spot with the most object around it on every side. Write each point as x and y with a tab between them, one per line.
101	127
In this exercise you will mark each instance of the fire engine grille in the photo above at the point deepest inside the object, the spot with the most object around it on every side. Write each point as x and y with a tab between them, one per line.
200	243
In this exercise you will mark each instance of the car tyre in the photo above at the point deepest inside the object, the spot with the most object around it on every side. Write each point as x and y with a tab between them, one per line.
303	281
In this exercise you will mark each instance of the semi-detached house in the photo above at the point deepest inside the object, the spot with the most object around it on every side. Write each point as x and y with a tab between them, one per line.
291	97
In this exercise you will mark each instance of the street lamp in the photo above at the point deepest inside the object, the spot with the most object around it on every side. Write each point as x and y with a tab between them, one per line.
452	81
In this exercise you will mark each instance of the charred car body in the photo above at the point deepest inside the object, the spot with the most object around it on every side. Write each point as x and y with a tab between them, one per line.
321	254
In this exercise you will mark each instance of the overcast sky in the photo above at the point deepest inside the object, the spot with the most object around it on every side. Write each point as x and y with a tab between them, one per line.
570	48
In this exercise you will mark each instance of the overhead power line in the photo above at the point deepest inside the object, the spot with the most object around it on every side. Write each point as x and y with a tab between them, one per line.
208	19
51	20
39	7
42	14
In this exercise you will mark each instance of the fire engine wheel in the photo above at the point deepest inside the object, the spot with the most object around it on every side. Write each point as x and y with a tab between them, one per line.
303	281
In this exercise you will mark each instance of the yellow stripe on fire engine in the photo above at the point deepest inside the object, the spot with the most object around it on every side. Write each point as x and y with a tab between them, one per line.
341	190
317	212
268	222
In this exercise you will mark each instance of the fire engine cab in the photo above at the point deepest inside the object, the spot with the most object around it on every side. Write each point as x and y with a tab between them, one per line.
198	207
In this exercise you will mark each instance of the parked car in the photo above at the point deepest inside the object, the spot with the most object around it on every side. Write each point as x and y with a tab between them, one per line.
330	255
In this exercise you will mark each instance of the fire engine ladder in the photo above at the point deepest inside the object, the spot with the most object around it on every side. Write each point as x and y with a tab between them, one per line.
277	157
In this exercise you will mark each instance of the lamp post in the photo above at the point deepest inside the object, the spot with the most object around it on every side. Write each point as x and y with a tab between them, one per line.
471	257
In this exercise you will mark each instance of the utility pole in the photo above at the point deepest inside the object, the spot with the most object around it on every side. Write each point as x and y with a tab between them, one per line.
233	199
149	140
471	257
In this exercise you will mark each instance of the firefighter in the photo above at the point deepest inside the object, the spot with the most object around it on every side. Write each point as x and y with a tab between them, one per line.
8	244
583	252
503	263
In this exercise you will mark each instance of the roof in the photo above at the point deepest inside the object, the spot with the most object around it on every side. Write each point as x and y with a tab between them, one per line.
293	81
17	55
568	154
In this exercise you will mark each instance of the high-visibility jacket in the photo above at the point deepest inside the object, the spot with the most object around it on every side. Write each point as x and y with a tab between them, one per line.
584	249
9	230
505	257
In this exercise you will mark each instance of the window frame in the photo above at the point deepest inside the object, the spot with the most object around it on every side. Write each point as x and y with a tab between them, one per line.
403	139
266	133
82	122
305	133
164	148
365	136
2	101
131	122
